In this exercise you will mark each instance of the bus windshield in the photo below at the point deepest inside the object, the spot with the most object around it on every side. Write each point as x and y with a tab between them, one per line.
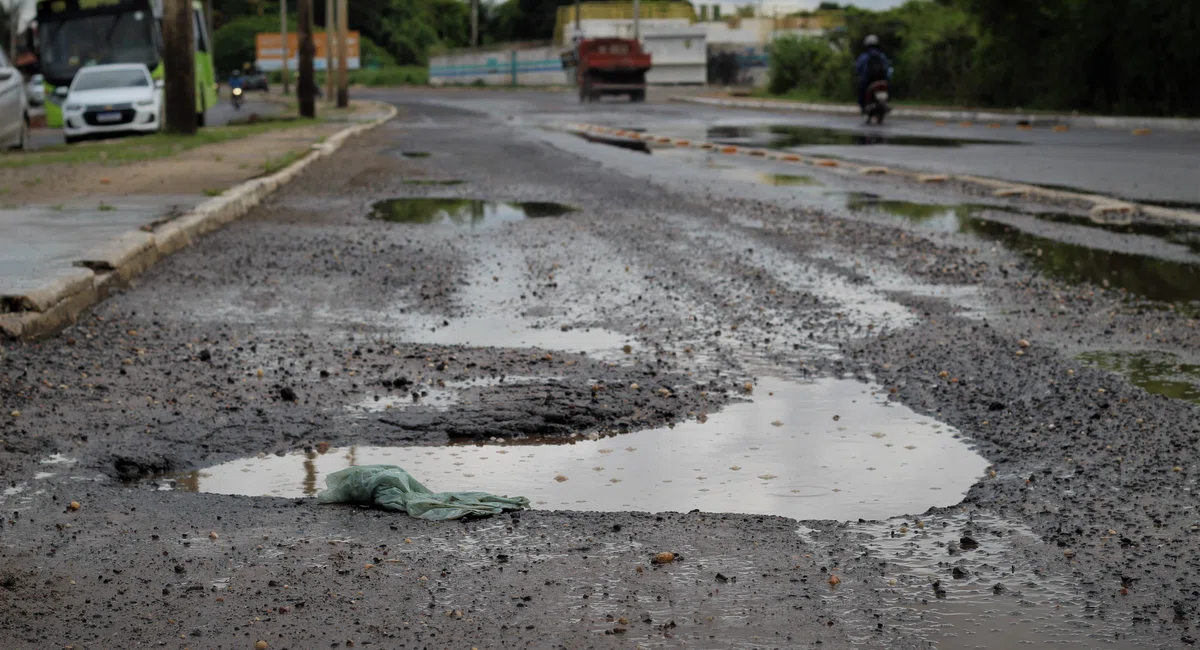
71	43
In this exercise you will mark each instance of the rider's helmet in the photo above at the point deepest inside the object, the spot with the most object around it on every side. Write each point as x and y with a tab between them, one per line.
871	41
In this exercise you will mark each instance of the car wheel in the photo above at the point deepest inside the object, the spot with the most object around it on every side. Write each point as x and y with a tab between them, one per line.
70	139
23	141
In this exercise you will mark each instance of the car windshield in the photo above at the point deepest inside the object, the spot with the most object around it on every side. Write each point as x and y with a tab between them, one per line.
68	45
101	79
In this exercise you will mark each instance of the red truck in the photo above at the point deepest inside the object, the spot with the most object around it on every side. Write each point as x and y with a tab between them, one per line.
609	66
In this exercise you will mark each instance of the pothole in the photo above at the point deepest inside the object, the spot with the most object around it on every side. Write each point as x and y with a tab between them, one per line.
777	180
831	449
463	212
787	137
1155	372
1169	280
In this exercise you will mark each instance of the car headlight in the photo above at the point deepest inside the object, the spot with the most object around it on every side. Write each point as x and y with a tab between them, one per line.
144	102
72	107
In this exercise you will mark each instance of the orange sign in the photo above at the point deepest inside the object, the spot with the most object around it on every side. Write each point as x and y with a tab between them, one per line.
269	54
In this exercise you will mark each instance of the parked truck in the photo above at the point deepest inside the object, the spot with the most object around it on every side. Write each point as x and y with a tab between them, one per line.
608	66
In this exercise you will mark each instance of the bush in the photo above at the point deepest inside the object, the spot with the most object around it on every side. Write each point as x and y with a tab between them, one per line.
811	67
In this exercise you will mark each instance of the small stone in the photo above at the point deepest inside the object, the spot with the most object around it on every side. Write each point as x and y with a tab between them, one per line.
260	645
748	387
1023	343
213	535
15	413
627	349
634	387
834	581
287	394
560	478
74	505
943	374
666	557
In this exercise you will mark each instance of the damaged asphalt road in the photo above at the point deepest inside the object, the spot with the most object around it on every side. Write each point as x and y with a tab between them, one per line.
308	325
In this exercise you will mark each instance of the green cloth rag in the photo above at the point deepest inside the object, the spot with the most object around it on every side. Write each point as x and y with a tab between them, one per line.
392	488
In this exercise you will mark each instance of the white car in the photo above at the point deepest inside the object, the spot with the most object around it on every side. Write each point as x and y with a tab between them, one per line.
14	107
36	90
111	99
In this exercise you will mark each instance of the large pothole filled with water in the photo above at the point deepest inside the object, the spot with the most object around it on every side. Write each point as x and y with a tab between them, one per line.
463	212
830	449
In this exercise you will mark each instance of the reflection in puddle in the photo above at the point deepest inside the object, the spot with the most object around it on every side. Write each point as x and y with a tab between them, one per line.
1160	373
462	212
786	137
1141	275
995	595
825	450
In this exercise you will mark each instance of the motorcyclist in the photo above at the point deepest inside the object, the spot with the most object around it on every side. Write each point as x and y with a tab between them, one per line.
235	79
872	65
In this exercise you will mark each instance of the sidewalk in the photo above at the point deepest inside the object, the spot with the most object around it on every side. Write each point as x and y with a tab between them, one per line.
64	206
958	115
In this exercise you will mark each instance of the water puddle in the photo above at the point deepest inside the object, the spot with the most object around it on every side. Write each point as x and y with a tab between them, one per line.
776	180
1141	275
463	212
787	137
440	396
973	581
421	181
1155	372
826	450
415	154
502	332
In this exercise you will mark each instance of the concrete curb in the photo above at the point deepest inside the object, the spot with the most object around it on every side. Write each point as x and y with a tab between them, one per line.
1139	125
1101	208
56	305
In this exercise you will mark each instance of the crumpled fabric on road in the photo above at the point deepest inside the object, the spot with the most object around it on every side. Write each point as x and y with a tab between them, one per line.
392	488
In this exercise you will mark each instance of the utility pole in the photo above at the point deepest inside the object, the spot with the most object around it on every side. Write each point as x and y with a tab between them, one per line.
284	43
637	27
306	83
330	41
474	23
179	67
212	52
343	21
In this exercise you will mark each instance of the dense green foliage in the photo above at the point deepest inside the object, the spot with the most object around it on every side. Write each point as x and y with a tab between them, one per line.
1122	56
405	31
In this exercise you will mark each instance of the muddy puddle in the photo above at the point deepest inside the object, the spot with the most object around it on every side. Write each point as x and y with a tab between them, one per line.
824	450
462	212
972	581
788	137
1140	275
1160	373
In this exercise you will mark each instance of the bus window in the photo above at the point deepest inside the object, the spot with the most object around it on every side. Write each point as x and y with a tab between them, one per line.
201	35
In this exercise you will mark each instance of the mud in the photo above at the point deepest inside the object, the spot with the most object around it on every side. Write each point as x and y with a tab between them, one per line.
709	288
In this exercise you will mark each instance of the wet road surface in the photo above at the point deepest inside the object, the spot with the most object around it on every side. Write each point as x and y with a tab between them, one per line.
891	416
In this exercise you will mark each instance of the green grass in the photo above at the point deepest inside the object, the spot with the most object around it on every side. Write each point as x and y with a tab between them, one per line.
273	165
213	192
149	147
400	75
104	207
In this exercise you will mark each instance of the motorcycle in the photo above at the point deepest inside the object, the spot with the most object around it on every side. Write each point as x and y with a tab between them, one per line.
876	105
236	94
